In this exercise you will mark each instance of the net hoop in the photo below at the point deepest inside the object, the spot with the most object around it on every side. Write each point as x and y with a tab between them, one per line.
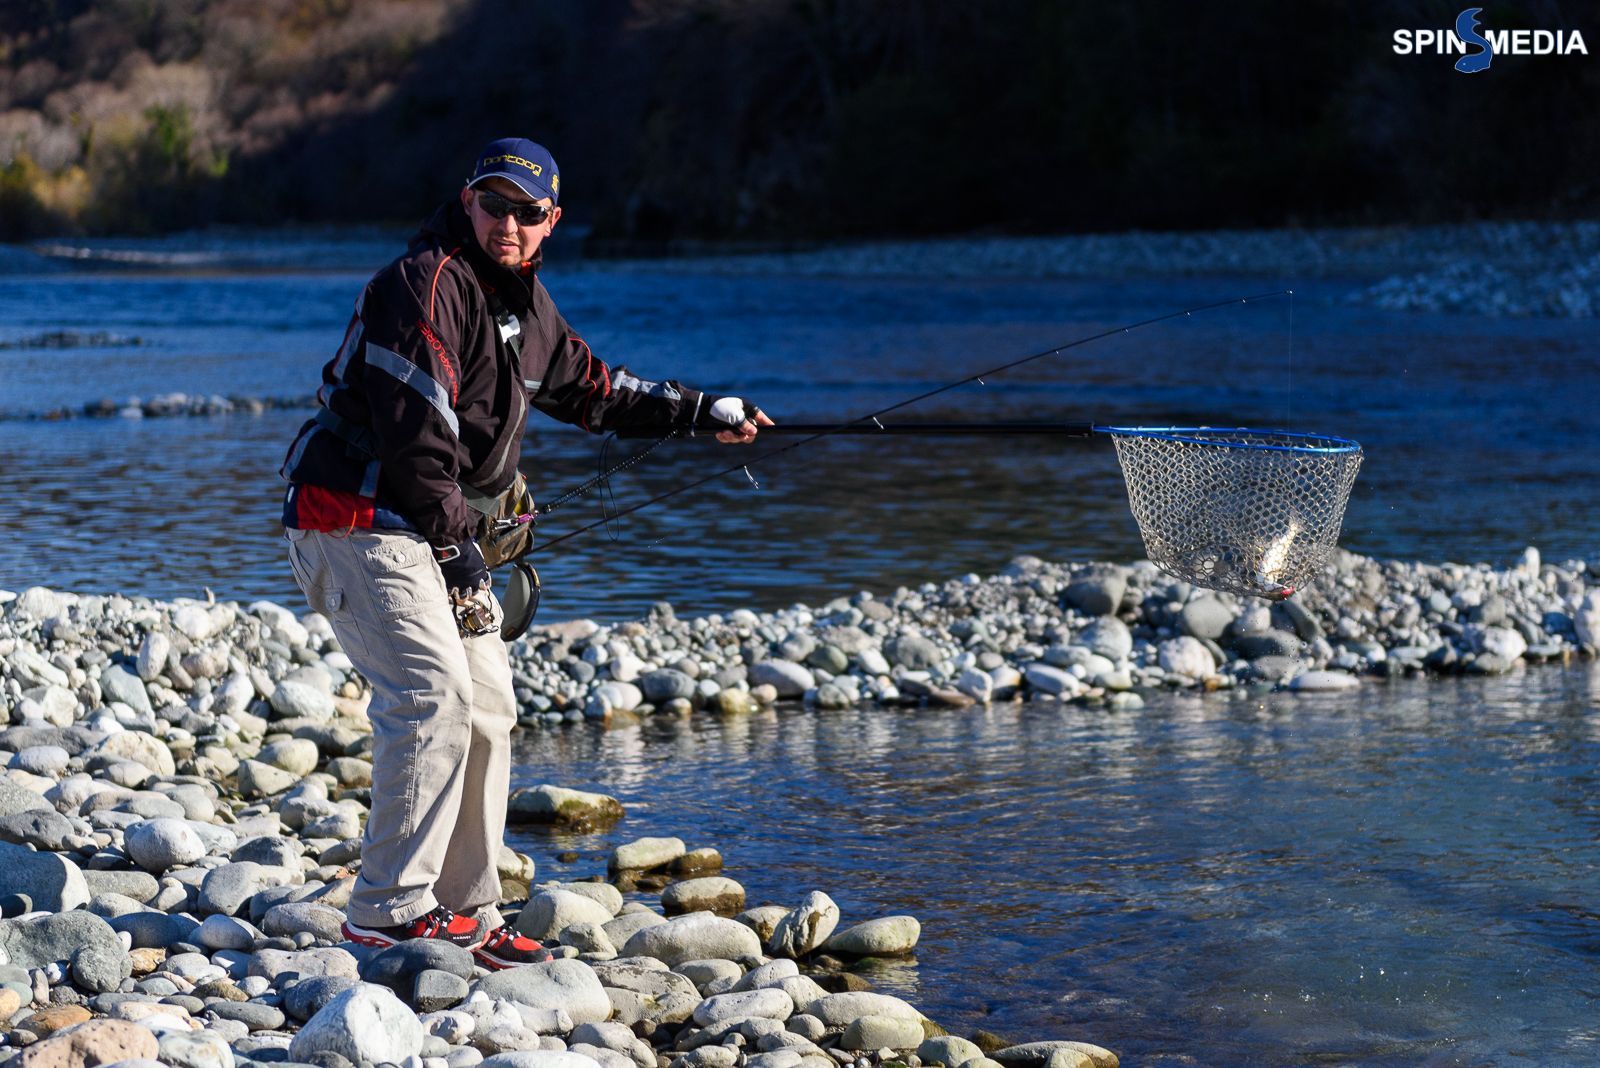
1247	511
1239	437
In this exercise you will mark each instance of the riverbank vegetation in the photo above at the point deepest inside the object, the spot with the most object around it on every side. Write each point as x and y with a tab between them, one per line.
781	119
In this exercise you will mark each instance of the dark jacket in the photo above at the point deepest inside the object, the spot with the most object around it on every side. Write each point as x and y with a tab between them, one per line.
431	388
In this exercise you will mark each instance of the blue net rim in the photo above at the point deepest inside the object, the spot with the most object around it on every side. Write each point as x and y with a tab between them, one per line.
1240	437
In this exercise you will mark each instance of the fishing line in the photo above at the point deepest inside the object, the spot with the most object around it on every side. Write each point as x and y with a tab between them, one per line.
872	417
603	479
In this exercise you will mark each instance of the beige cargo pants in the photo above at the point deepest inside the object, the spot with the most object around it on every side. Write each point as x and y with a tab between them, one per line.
442	711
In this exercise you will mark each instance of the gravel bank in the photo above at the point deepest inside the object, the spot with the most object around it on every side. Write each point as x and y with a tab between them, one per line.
185	785
1094	633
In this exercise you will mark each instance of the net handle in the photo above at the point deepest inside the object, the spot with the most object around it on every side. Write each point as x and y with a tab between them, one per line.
872	428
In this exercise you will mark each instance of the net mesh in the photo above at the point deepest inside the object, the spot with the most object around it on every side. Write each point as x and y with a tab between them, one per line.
1248	511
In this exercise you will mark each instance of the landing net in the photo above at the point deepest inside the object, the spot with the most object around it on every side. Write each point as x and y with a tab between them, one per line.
1254	512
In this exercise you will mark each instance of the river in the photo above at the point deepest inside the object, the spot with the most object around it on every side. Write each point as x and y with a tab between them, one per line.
1404	875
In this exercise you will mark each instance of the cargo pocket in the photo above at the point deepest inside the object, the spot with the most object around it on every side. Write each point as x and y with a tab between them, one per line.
311	575
345	628
402	575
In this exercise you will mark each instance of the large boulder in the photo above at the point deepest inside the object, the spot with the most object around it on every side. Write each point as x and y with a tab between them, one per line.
52	883
298	756
324	922
293	699
697	936
569	985
398	966
1039	1054
891	936
1186	656
159	844
140	748
710	893
550	912
228	888
195	1049
141	886
277	965
14	798
558	805
1205	617
366	1023
804	929
539	1058
154	930
770	1003
837	1010
646	854
627	924
785	676
1097	591
259	779
881	1032
92	1043
1110	637
117	683
950	1050
43	828
306	998
43	940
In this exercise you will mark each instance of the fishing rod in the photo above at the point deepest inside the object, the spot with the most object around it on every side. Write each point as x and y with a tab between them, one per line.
996	429
1253	512
816	432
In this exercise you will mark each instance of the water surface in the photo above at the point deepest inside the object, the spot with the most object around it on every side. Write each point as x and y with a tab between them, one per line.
1403	876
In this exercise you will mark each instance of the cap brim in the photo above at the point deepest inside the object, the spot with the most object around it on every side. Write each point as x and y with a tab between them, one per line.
521	183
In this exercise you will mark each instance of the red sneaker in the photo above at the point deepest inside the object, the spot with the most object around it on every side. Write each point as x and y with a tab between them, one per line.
504	948
440	923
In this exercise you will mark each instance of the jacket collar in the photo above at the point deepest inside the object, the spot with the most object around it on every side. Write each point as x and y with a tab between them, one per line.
450	227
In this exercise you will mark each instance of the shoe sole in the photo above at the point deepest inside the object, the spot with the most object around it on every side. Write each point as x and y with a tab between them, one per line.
496	964
363	936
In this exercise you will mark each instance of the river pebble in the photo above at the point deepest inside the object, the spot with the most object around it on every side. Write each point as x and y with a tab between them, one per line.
890	936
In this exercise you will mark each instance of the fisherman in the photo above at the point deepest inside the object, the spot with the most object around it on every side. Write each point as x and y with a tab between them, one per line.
394	486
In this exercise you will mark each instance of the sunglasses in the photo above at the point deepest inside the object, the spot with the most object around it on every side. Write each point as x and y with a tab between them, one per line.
498	207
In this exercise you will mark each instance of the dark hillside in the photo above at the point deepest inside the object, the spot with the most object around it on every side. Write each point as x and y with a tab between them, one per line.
787	119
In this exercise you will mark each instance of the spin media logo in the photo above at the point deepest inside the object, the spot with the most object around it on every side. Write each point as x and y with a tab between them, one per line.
1477	47
1467	31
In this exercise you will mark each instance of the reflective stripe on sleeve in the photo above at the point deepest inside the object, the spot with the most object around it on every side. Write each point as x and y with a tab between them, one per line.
392	363
621	379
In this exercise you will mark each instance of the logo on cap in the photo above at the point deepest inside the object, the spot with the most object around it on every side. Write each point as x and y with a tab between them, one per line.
490	161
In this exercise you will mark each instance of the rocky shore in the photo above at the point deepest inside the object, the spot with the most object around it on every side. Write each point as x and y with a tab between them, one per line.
181	806
164	406
185	785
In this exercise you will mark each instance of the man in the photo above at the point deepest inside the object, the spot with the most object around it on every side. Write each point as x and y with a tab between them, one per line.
392	485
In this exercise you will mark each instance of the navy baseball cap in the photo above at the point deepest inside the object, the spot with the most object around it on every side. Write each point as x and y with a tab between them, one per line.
526	164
